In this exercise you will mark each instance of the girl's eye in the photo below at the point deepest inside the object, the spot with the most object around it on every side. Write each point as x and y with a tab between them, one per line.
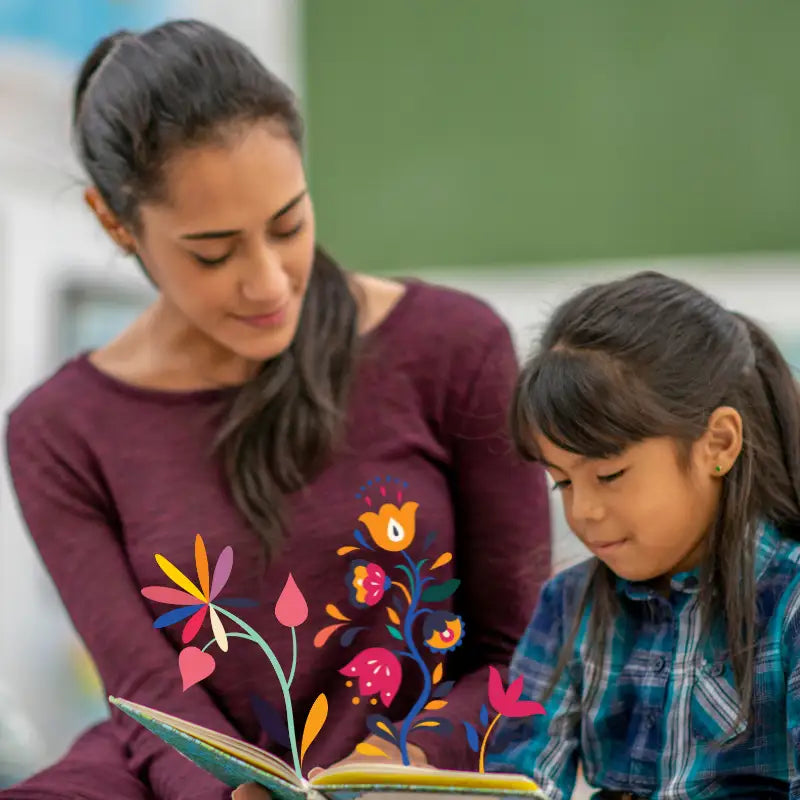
610	478
211	262
559	486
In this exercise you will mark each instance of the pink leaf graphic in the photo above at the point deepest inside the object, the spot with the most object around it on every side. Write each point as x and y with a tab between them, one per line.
291	609
195	666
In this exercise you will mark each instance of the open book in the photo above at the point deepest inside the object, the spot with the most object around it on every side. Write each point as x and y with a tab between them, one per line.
235	762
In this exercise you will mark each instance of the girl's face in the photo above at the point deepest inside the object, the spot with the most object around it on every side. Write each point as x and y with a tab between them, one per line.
645	513
231	244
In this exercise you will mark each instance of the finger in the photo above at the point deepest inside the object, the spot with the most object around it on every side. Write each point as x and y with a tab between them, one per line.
250	791
314	772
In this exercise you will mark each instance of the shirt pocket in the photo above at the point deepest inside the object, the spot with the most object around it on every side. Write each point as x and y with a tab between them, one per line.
715	704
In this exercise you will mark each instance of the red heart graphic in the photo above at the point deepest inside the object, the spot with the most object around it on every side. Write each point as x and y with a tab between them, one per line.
195	666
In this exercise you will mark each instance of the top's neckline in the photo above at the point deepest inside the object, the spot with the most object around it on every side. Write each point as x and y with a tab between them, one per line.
83	362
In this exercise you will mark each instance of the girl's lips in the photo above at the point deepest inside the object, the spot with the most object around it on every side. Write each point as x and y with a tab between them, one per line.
605	547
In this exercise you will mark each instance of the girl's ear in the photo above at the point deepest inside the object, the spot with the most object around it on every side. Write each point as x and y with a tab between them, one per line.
720	445
108	220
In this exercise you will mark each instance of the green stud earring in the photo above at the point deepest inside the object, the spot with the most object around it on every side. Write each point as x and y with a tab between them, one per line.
718	468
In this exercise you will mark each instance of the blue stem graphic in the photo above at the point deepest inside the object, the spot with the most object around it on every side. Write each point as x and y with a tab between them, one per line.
413	652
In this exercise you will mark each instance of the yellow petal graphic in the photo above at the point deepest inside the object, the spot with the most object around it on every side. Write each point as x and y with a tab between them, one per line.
427	723
218	630
343	551
335	613
437	673
314	722
367	749
443	559
435	705
201	561
385	728
178	578
393	616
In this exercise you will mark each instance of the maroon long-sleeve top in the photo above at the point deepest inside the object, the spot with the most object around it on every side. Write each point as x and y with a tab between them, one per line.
108	474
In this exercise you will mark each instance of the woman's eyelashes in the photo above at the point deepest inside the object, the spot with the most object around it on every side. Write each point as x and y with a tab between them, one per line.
210	262
217	261
289	233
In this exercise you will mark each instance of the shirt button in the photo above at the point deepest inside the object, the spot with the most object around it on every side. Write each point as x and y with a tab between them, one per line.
717	670
658	664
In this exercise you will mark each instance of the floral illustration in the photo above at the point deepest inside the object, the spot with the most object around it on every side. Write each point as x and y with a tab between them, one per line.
506	703
367	583
443	631
378	671
409	591
195	664
391	526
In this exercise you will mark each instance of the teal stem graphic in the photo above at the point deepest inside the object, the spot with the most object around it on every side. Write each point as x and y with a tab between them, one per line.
294	657
232	635
253	635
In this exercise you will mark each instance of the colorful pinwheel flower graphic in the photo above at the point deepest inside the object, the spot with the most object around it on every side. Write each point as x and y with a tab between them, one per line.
195	664
195	603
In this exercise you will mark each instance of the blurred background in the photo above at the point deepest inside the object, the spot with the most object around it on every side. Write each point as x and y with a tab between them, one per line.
515	149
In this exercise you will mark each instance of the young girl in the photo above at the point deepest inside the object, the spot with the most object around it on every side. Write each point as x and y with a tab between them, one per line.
668	664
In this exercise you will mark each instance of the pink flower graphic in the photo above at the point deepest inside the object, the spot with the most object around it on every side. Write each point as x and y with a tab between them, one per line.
507	702
378	671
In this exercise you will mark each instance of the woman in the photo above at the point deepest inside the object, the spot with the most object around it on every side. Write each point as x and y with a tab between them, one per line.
263	401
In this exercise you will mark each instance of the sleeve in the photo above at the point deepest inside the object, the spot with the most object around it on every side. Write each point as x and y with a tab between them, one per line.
791	649
73	525
502	541
545	747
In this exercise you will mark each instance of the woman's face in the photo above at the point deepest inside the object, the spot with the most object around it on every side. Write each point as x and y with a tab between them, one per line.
231	244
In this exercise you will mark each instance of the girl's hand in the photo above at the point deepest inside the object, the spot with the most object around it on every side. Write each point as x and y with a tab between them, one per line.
415	754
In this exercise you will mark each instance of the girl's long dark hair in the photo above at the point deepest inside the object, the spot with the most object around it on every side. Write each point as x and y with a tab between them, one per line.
138	100
651	356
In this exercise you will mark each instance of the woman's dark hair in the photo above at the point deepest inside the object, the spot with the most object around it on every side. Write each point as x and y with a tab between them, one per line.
139	99
650	356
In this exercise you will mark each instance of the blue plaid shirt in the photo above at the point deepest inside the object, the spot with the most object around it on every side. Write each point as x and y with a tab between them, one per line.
667	699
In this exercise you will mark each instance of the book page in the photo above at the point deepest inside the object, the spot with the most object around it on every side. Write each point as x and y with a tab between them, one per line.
374	775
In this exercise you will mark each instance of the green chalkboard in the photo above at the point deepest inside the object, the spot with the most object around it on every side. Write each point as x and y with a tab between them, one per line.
481	132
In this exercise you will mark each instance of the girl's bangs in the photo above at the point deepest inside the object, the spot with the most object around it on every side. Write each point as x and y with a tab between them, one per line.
581	402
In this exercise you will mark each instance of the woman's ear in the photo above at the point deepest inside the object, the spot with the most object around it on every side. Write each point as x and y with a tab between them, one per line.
721	444
115	229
